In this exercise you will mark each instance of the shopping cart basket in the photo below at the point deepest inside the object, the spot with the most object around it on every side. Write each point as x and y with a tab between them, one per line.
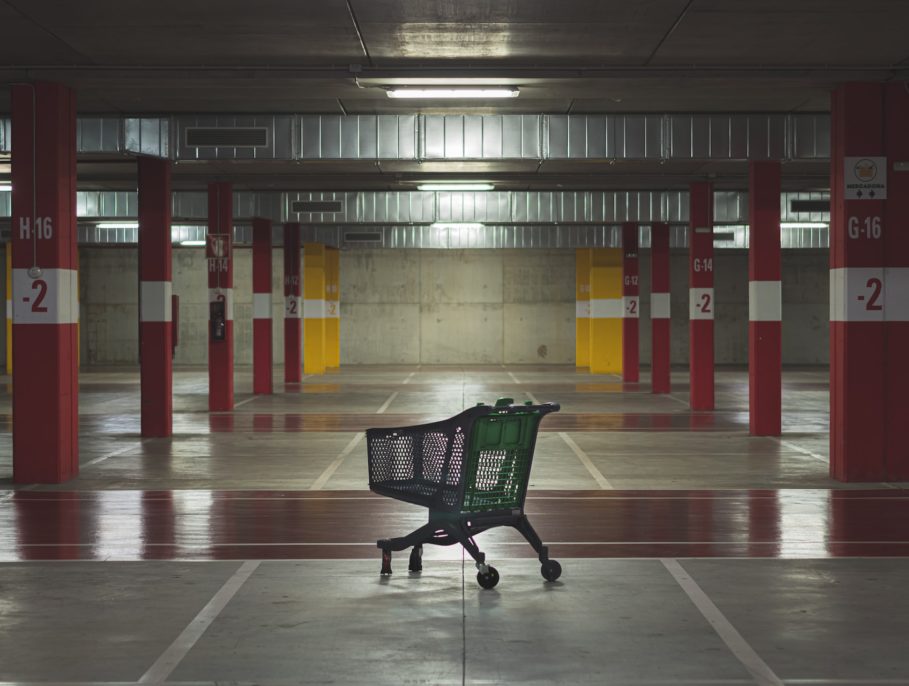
470	471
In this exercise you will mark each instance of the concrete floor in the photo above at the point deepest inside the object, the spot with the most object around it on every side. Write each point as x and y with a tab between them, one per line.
693	553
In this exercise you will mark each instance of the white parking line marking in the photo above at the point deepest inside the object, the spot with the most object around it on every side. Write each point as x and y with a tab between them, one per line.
749	658
585	460
388	402
409	377
319	483
179	649
799	449
101	459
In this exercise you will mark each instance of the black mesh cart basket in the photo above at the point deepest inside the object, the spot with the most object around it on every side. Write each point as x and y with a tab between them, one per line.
470	472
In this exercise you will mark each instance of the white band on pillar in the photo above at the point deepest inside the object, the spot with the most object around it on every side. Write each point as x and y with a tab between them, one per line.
582	309
765	301
606	308
227	296
659	306
292	307
261	305
700	303
155	302
631	307
869	294
53	298
857	294
314	309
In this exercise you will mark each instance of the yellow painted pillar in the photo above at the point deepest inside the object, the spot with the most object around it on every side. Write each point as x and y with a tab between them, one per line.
9	308
582	313
606	311
333	309
314	297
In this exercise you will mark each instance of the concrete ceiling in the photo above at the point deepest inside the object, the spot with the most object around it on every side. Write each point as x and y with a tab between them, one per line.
173	56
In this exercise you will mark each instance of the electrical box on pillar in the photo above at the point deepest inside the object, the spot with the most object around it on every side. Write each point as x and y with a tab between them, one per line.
175	319
218	319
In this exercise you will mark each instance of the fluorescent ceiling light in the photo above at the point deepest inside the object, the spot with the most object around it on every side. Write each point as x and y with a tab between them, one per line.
455	186
457	225
803	225
193	244
453	93
117	225
5	187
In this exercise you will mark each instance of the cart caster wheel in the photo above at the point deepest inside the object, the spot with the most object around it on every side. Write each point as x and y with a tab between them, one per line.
489	579
551	570
416	559
386	563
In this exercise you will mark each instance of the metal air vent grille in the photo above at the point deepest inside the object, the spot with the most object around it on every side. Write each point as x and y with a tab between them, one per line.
226	137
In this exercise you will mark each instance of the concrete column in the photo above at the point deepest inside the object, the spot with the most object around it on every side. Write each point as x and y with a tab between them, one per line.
701	303
219	250
333	308
660	330
857	370
896	281
606	311
630	304
44	284
262	330
155	312
314	308
582	307
292	305
765	308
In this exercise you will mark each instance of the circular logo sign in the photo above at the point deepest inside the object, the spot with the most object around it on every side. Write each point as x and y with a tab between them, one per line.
865	170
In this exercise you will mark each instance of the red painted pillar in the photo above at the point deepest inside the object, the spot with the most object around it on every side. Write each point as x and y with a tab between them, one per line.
659	309
45	284
630	304
896	276
219	250
765	308
293	362
262	331
857	370
155	312
700	295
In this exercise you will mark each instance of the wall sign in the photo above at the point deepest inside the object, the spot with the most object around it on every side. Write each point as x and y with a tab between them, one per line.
865	178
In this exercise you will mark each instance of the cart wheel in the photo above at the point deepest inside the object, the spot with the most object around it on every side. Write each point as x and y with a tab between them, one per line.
386	562
489	579
416	559
551	570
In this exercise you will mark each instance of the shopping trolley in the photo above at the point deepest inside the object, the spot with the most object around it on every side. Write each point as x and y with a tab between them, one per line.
470	471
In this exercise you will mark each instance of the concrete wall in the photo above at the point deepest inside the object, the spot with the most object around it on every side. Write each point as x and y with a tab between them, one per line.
806	285
109	305
457	306
449	306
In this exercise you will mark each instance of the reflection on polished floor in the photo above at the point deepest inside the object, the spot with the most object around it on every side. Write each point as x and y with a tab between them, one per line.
243	549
